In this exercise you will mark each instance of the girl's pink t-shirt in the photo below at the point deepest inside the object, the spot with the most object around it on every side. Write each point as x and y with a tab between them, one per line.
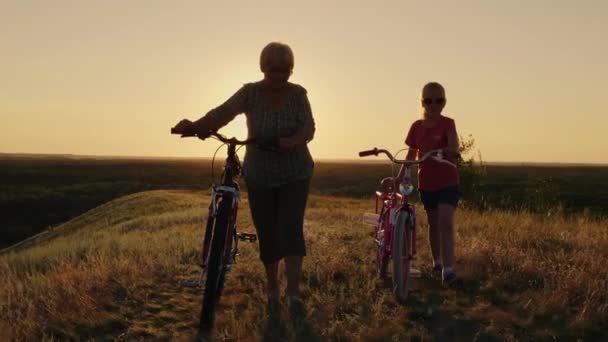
433	175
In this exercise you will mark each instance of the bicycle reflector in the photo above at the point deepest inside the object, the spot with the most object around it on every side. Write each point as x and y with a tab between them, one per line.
406	189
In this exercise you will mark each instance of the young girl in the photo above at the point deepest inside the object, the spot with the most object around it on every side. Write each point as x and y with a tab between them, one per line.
437	182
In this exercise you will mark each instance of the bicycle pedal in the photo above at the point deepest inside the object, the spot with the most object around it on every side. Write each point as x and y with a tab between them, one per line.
247	237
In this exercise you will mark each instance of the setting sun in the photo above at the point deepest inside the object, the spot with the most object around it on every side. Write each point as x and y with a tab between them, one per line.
89	78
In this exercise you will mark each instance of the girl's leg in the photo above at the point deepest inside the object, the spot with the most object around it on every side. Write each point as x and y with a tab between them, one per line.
434	236
445	219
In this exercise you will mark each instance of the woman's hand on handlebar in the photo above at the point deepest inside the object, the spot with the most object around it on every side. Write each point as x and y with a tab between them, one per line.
184	127
188	128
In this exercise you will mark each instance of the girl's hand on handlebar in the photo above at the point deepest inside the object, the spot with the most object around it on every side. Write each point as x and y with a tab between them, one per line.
451	154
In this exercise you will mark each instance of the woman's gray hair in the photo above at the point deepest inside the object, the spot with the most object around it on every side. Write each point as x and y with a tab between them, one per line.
278	55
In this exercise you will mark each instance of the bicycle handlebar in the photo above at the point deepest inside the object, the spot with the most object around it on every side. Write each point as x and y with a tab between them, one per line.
264	145
368	153
427	155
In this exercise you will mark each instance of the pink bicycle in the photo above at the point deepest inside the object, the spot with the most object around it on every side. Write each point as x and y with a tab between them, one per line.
394	223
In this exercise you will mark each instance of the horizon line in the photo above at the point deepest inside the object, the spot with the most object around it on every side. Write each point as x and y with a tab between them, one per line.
322	159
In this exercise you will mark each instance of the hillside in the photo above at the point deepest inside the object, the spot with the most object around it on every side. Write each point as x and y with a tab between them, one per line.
42	192
113	272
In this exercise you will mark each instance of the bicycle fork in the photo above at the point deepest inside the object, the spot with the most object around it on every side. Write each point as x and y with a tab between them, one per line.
232	235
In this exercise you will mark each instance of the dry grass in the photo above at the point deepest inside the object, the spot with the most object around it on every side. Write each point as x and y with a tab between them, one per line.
113	274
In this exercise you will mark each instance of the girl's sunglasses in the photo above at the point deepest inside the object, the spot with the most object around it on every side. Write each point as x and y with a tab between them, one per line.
429	101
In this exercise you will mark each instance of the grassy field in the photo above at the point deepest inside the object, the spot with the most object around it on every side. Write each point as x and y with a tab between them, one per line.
113	273
41	191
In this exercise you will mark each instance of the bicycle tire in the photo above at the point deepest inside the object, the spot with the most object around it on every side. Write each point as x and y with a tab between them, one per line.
208	234
220	288
215	269
382	263
401	256
382	257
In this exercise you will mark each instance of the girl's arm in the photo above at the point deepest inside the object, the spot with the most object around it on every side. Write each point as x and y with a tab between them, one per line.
452	151
411	153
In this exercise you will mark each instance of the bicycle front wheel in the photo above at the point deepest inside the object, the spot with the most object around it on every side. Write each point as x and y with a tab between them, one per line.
402	240
382	255
216	269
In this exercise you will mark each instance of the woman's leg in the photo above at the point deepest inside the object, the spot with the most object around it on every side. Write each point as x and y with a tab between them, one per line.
262	203
293	269
272	280
291	206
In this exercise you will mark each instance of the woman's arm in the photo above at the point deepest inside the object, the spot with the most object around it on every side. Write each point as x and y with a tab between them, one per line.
306	130
222	115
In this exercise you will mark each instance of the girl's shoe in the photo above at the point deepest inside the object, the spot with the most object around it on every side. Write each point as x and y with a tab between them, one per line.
449	278
437	271
296	308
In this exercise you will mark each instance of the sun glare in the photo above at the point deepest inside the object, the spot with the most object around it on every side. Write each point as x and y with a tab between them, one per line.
236	128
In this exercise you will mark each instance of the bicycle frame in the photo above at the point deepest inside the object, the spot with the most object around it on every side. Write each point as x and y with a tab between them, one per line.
217	253
388	206
392	207
227	191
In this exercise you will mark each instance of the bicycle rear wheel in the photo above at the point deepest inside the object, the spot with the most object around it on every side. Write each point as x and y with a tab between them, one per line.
402	241
216	270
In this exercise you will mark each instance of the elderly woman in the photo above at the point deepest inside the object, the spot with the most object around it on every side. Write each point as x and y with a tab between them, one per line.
277	182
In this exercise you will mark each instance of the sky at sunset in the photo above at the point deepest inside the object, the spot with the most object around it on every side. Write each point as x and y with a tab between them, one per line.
527	79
